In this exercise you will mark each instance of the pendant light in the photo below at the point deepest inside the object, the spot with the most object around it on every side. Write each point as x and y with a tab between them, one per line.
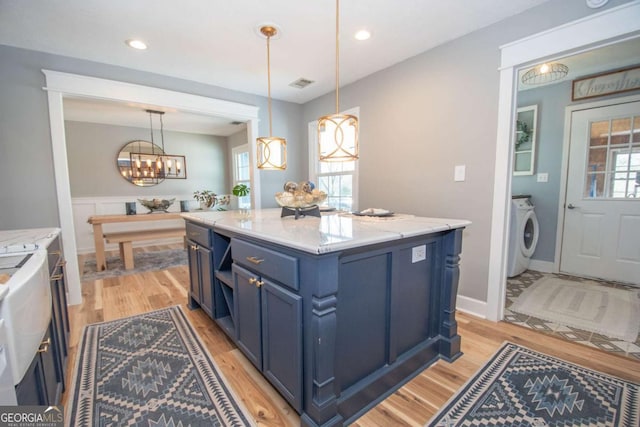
338	133
272	150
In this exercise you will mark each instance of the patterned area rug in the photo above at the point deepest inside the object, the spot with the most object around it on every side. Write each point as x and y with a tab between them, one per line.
521	387
584	305
149	370
143	261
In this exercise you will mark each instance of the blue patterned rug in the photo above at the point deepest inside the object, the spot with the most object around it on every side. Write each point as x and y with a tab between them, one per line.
149	370
521	387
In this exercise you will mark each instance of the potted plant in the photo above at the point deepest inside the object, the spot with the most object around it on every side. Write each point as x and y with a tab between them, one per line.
240	190
207	198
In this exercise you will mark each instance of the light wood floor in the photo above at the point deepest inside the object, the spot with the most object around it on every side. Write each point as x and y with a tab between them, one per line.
412	405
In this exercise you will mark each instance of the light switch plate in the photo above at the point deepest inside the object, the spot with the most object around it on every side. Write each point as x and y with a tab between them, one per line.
418	253
543	177
459	173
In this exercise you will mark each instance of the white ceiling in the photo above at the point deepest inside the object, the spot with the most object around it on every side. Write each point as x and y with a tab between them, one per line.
217	42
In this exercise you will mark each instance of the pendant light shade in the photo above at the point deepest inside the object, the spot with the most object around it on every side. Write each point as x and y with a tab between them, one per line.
271	150
338	133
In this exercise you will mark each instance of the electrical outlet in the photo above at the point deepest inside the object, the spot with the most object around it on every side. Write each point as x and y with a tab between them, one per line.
459	173
543	177
418	253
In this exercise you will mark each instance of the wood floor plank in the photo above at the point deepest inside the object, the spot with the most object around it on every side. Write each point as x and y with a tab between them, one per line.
412	405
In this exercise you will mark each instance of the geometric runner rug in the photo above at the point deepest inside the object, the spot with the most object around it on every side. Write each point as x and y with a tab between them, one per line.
521	387
149	370
584	305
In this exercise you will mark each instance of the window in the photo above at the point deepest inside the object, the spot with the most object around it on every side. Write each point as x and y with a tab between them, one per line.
613	164
241	173
338	179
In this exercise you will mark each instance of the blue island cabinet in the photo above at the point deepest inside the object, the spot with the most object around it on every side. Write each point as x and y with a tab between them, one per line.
339	331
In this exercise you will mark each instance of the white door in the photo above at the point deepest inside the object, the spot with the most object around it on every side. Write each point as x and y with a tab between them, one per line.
601	236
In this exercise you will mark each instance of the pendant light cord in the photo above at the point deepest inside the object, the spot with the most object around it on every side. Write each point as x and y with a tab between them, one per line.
269	80
337	56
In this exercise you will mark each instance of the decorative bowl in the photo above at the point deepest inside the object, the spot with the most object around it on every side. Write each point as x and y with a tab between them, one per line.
156	205
303	195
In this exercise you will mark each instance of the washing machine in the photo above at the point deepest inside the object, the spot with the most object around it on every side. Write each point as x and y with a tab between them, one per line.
523	234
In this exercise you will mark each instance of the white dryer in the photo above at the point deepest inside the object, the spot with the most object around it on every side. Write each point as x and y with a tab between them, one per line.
523	235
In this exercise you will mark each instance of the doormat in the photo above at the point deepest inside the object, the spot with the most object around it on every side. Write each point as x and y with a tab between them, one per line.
583	305
149	370
521	387
143	261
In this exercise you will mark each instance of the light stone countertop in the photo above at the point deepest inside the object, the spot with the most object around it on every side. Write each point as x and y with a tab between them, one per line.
332	232
26	240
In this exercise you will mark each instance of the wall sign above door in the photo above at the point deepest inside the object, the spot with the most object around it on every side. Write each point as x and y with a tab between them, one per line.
604	84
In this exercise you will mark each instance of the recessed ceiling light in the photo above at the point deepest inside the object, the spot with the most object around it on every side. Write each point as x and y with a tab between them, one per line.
363	35
136	44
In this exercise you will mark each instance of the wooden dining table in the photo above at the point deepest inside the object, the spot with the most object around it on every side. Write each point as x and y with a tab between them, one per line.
98	234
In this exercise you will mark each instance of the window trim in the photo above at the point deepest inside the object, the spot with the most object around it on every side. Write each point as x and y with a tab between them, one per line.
314	154
244	148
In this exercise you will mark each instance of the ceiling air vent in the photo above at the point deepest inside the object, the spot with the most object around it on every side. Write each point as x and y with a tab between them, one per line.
301	83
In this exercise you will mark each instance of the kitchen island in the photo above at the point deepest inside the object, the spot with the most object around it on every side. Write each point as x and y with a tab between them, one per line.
337	312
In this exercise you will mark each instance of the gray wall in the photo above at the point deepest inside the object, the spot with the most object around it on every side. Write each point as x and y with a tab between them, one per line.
92	149
431	112
551	101
26	167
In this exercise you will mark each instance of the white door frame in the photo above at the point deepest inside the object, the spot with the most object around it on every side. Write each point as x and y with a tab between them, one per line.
60	85
566	142
606	27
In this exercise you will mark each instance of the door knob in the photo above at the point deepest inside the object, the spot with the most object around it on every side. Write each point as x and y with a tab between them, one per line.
570	206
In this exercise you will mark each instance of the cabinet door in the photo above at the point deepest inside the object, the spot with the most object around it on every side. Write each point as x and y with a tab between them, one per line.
59	335
31	390
282	341
40	384
194	275
247	309
49	356
206	280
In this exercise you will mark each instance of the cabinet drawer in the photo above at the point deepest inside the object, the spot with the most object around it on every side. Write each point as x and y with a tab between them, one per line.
199	234
263	261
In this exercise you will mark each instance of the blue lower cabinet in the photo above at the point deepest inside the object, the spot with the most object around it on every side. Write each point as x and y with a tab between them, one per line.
269	331
201	277
40	384
247	309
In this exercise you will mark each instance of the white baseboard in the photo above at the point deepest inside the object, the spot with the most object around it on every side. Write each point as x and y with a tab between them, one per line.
472	306
542	266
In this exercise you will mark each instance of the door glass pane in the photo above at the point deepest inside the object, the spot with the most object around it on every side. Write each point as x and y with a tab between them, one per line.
620	131
599	133
597	159
594	186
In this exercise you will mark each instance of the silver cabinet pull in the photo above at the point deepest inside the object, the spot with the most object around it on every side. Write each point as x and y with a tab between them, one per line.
255	260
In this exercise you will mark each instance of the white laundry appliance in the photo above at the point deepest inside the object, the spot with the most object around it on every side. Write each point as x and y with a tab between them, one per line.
523	234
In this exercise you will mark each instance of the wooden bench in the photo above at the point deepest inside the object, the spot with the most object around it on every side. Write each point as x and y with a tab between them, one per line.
126	238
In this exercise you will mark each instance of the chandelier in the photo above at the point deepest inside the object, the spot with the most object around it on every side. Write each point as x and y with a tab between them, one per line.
152	165
545	73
